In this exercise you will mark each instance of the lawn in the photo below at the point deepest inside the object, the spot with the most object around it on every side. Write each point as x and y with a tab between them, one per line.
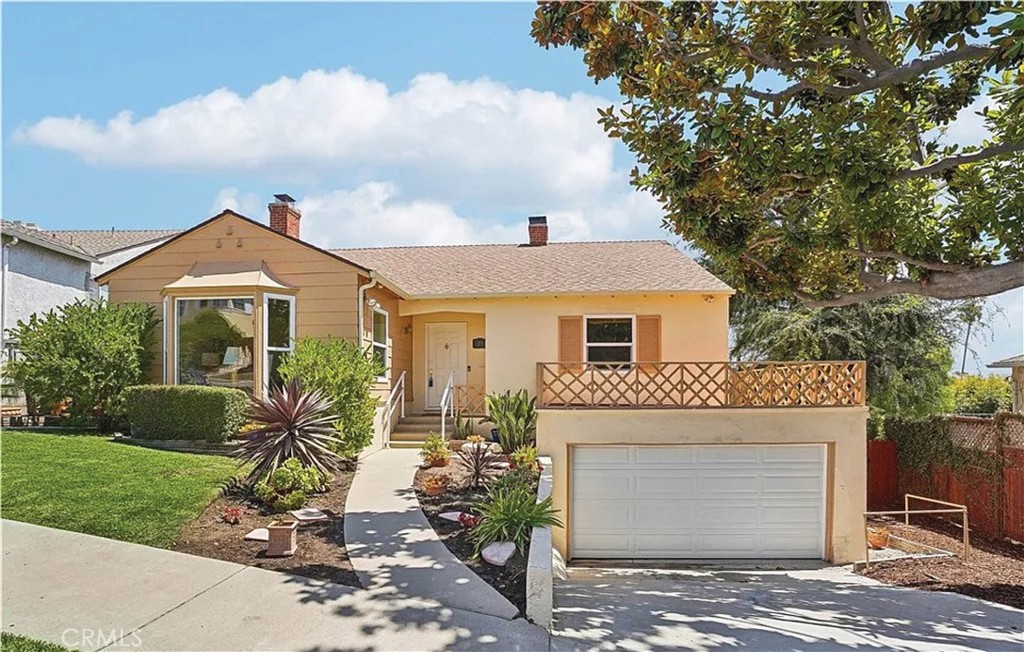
14	643
90	484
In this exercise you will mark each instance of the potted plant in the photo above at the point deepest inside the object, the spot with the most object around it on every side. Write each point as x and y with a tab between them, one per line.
435	485
878	537
282	540
435	451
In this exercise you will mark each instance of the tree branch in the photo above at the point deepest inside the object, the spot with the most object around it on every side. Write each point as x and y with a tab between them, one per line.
954	161
973	282
916	262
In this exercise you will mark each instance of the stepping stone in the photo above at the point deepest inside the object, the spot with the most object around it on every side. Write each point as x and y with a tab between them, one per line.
451	516
259	534
498	554
308	515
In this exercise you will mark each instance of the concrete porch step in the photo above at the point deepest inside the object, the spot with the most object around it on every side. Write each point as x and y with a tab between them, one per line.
424	419
415	435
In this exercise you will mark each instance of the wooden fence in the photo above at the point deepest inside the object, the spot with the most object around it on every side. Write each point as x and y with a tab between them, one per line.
992	487
700	384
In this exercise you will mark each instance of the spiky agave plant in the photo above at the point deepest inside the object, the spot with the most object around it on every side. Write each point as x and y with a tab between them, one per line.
292	423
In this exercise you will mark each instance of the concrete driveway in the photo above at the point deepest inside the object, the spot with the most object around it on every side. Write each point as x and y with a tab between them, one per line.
808	610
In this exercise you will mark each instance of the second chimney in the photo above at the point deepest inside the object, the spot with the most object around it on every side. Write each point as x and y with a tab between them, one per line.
538	231
284	217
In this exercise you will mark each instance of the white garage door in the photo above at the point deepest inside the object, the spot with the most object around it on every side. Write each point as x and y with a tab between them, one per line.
728	502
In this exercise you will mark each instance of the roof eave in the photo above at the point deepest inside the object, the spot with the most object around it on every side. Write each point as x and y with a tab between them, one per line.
560	293
52	246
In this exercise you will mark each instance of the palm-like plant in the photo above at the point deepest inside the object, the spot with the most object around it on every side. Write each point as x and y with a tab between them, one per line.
292	423
479	461
515	416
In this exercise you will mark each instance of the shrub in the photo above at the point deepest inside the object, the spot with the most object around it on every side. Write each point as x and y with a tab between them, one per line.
463	427
290	485
347	376
479	461
981	394
192	412
434	450
295	423
515	416
510	513
525	459
83	355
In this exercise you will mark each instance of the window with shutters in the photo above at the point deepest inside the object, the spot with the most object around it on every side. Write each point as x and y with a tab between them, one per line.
609	338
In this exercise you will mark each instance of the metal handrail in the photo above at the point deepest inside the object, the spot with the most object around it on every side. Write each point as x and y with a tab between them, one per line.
396	399
447	402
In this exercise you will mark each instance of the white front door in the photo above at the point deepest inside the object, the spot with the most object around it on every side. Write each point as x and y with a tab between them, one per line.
446	354
635	502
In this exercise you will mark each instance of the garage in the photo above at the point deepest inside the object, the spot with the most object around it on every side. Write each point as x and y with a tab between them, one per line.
698	502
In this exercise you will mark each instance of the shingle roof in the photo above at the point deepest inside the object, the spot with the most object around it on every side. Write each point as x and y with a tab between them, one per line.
1015	361
105	241
556	268
44	239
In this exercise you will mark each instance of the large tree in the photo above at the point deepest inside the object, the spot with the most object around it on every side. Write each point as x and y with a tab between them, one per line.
803	145
905	340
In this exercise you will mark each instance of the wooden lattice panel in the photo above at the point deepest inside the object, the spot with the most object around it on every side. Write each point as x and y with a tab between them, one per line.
469	399
701	384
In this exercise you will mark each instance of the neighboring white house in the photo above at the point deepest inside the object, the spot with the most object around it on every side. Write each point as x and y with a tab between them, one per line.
1016	367
46	269
111	247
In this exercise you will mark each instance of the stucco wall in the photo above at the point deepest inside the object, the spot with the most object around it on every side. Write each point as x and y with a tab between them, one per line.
843	430
38	279
521	332
476	359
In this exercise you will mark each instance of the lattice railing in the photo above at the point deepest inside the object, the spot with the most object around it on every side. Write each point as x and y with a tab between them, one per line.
469	399
701	384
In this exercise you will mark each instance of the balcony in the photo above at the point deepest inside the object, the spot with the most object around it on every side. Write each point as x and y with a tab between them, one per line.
685	385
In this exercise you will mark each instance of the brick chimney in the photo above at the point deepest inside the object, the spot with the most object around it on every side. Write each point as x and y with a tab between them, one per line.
284	217
538	231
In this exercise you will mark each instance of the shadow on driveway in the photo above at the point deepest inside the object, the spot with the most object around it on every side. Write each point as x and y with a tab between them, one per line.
814	611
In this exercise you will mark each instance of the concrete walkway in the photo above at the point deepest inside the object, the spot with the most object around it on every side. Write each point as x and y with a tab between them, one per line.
393	548
826	610
90	593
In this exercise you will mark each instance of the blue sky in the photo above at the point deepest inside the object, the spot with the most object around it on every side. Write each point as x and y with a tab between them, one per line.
391	123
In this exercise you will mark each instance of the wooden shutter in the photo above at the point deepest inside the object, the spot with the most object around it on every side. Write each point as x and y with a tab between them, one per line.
648	338
570	340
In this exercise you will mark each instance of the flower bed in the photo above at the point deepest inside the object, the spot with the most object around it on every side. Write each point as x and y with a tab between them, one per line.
321	552
509	580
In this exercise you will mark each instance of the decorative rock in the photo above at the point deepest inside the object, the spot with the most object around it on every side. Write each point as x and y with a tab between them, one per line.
451	516
308	514
259	534
472	446
501	465
498	554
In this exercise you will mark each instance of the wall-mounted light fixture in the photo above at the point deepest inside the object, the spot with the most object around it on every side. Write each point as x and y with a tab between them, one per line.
239	243
407	329
219	244
708	298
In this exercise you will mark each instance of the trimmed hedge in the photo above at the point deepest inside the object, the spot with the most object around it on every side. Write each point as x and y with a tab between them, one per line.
192	412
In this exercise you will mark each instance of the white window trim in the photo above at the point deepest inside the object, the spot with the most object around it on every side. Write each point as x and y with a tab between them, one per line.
177	322
267	349
374	344
632	339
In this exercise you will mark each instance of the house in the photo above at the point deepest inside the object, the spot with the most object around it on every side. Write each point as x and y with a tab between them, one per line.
111	247
661	447
40	272
1016	366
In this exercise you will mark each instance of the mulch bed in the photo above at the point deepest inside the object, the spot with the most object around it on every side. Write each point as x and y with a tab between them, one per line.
321	552
994	570
510	581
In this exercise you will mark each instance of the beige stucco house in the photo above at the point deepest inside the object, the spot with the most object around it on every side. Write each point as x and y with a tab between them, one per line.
661	447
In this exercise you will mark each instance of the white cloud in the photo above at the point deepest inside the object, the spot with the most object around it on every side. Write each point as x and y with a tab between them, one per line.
379	213
246	203
468	137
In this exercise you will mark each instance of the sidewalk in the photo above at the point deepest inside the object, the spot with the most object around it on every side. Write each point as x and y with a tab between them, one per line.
83	591
394	549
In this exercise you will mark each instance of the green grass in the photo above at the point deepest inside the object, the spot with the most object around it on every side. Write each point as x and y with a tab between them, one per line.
15	643
92	485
